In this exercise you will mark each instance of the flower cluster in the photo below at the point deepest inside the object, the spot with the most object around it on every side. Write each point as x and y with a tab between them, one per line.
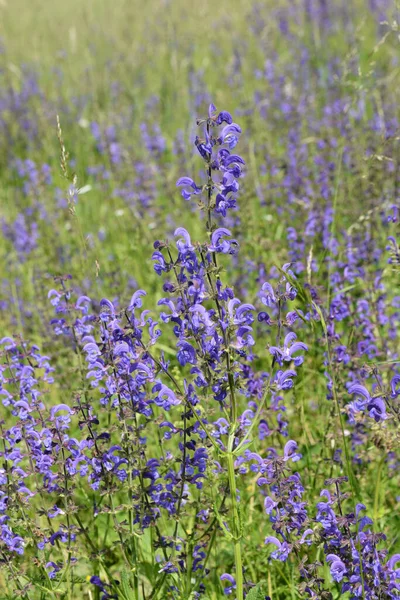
352	549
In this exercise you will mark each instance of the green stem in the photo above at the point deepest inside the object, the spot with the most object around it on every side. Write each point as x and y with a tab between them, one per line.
236	522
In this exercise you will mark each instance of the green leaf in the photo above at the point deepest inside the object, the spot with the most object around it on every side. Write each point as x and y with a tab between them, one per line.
126	586
149	569
323	323
218	516
166	349
302	293
258	592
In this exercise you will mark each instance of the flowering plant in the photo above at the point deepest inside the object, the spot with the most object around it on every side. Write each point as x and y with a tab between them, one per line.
129	483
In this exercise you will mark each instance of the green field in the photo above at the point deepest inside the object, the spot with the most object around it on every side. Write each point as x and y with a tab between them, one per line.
98	109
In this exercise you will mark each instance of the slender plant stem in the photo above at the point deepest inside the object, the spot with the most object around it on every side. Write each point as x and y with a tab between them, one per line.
236	527
233	407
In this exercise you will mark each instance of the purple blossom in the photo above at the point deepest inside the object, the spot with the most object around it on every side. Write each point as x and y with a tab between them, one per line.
290	347
375	405
338	568
283	548
230	588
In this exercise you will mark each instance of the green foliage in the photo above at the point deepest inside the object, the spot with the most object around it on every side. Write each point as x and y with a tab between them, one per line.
258	592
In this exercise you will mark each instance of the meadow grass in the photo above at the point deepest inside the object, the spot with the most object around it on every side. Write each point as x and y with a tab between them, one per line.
317	98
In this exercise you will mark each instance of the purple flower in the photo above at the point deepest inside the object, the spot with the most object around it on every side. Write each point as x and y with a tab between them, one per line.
289	452
230	588
375	405
395	386
186	353
230	135
337	567
267	295
188	187
204	146
283	380
184	244
290	347
223	116
218	244
283	548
